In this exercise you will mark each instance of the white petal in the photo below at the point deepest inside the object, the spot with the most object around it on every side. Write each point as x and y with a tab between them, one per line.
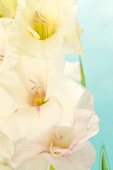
37	163
6	147
31	122
68	93
72	70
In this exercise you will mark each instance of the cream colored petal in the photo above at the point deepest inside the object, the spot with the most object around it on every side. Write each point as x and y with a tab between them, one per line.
41	69
86	101
6	146
72	41
5	167
11	57
72	70
13	83
4	23
32	121
7	104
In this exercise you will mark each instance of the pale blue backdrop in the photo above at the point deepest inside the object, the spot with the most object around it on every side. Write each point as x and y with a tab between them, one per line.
96	17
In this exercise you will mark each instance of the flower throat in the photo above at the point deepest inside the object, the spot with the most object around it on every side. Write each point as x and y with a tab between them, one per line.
42	26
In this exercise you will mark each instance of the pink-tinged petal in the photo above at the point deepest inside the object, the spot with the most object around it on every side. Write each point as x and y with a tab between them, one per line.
25	150
30	122
60	162
36	163
6	147
85	126
82	159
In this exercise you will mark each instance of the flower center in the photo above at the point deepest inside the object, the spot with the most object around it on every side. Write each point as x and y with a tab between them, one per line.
58	141
42	26
39	97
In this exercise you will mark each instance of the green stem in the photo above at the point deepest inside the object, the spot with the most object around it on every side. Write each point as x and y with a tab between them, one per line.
83	82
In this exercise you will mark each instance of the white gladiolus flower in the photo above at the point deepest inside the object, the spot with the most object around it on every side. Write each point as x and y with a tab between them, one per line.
46	28
62	147
39	96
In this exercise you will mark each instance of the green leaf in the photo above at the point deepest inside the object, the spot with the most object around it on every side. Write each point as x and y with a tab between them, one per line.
52	168
82	73
104	165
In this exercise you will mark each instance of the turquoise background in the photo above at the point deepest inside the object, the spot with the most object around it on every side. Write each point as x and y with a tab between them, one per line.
96	18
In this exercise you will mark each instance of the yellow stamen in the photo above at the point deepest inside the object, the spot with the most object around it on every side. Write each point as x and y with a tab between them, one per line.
39	97
42	26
